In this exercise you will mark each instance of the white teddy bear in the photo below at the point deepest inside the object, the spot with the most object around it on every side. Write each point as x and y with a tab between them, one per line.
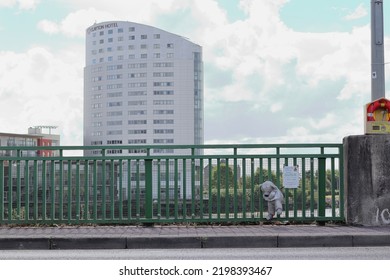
274	197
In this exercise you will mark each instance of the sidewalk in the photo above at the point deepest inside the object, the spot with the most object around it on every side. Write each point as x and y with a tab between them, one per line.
173	236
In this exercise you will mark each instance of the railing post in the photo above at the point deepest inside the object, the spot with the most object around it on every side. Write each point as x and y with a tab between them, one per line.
148	189
341	180
321	186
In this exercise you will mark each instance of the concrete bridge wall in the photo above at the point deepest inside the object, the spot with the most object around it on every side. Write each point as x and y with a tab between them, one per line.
367	179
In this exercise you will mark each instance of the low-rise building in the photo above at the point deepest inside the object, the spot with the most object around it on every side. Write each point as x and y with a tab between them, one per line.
36	137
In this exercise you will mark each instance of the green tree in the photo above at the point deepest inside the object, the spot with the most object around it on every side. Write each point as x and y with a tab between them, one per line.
265	176
224	171
330	183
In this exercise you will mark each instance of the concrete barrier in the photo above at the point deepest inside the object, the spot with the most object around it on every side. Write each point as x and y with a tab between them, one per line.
367	179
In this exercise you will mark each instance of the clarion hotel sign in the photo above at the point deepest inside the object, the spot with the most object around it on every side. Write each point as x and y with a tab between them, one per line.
102	26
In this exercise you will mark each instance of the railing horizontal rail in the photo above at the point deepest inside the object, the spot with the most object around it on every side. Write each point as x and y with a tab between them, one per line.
207	146
75	158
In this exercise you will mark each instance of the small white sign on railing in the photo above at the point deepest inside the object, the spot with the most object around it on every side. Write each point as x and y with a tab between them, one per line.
291	176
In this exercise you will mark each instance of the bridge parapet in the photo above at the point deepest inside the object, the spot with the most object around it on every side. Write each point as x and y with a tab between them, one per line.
167	184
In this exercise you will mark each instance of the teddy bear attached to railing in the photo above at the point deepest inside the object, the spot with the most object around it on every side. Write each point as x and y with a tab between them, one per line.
274	197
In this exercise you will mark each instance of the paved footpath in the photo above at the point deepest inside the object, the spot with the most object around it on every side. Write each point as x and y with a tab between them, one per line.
173	236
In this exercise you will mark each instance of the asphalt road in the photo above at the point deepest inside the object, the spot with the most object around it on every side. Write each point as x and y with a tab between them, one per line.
315	253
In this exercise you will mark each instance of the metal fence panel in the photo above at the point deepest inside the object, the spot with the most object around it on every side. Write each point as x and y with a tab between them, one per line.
208	184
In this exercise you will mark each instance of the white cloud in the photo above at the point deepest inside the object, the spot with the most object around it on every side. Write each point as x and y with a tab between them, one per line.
143	11
336	56
293	66
298	131
22	4
276	107
358	13
75	24
40	86
235	92
330	120
48	26
207	13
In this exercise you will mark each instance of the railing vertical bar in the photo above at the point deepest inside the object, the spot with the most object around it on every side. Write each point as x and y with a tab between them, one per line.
86	191
167	191
52	191
44	196
184	180
227	194
18	190
129	196
95	189
70	204
112	190
269	173
103	190
321	186
2	198
261	180
176	189
103	185
159	189
252	187
193	193
243	196
235	187
210	199
137	191
295	194
303	188
129	191
120	191
201	167
35	180
287	195
61	190
148	189
312	187
218	189
77	179
278	183
234	184
193	187
188	207
333	188
10	189
26	193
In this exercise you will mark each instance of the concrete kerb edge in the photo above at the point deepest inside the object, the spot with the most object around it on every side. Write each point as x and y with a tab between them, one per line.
88	243
371	240
285	241
24	243
64	243
161	242
240	242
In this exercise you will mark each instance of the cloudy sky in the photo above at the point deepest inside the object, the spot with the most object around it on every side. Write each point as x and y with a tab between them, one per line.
276	71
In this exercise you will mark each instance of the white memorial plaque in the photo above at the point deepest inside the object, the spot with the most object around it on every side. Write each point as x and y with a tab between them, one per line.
291	176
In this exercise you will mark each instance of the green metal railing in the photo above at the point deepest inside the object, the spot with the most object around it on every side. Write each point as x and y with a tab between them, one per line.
205	184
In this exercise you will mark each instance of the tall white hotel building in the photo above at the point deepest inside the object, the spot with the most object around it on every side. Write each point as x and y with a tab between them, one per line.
142	86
